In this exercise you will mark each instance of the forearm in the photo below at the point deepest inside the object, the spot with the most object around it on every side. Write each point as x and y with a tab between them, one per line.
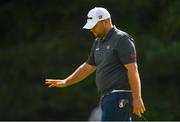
79	74
134	81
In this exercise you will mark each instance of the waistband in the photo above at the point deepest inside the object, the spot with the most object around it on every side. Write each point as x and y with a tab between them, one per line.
115	91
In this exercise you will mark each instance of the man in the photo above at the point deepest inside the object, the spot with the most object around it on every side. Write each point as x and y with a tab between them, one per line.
113	57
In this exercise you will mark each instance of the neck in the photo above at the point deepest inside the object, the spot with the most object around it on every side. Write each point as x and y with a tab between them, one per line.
107	31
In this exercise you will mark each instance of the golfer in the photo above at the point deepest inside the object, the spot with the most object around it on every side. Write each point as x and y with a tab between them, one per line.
113	57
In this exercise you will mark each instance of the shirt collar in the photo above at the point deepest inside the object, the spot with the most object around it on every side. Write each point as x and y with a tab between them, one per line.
110	33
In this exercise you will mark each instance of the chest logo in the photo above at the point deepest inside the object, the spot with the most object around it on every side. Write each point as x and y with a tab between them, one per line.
108	47
97	49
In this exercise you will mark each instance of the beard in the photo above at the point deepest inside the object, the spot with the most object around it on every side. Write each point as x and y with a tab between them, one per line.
100	35
97	35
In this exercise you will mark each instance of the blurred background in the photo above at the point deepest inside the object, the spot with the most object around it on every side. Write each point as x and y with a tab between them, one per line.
44	39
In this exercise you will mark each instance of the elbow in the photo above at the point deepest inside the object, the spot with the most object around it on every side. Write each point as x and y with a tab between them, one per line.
88	67
132	67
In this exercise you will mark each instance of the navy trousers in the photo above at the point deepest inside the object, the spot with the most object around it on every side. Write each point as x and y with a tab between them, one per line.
117	106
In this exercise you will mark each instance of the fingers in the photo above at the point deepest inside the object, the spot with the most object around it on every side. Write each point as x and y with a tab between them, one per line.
138	107
48	81
50	86
143	109
54	83
139	110
51	83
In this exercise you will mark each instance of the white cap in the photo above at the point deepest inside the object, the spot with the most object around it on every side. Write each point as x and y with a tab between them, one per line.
95	15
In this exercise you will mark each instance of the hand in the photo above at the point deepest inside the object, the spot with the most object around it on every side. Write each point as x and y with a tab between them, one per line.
138	107
55	83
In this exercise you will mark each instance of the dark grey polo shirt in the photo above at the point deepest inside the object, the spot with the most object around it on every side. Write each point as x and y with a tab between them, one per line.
109	56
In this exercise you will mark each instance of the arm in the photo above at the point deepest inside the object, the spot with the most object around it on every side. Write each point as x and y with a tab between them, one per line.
135	84
79	74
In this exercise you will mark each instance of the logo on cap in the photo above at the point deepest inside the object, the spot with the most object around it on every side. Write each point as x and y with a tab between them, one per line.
100	16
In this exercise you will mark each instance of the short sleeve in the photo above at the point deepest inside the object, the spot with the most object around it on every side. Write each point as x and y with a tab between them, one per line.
90	59
126	50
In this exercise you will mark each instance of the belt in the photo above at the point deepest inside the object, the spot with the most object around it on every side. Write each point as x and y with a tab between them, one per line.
114	91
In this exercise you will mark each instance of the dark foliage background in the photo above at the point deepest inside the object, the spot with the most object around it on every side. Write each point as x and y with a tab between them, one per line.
44	39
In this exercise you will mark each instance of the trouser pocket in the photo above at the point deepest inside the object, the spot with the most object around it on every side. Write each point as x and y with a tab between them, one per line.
116	107
124	110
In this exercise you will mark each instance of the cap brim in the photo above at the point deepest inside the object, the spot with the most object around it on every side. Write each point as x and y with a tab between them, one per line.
89	25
